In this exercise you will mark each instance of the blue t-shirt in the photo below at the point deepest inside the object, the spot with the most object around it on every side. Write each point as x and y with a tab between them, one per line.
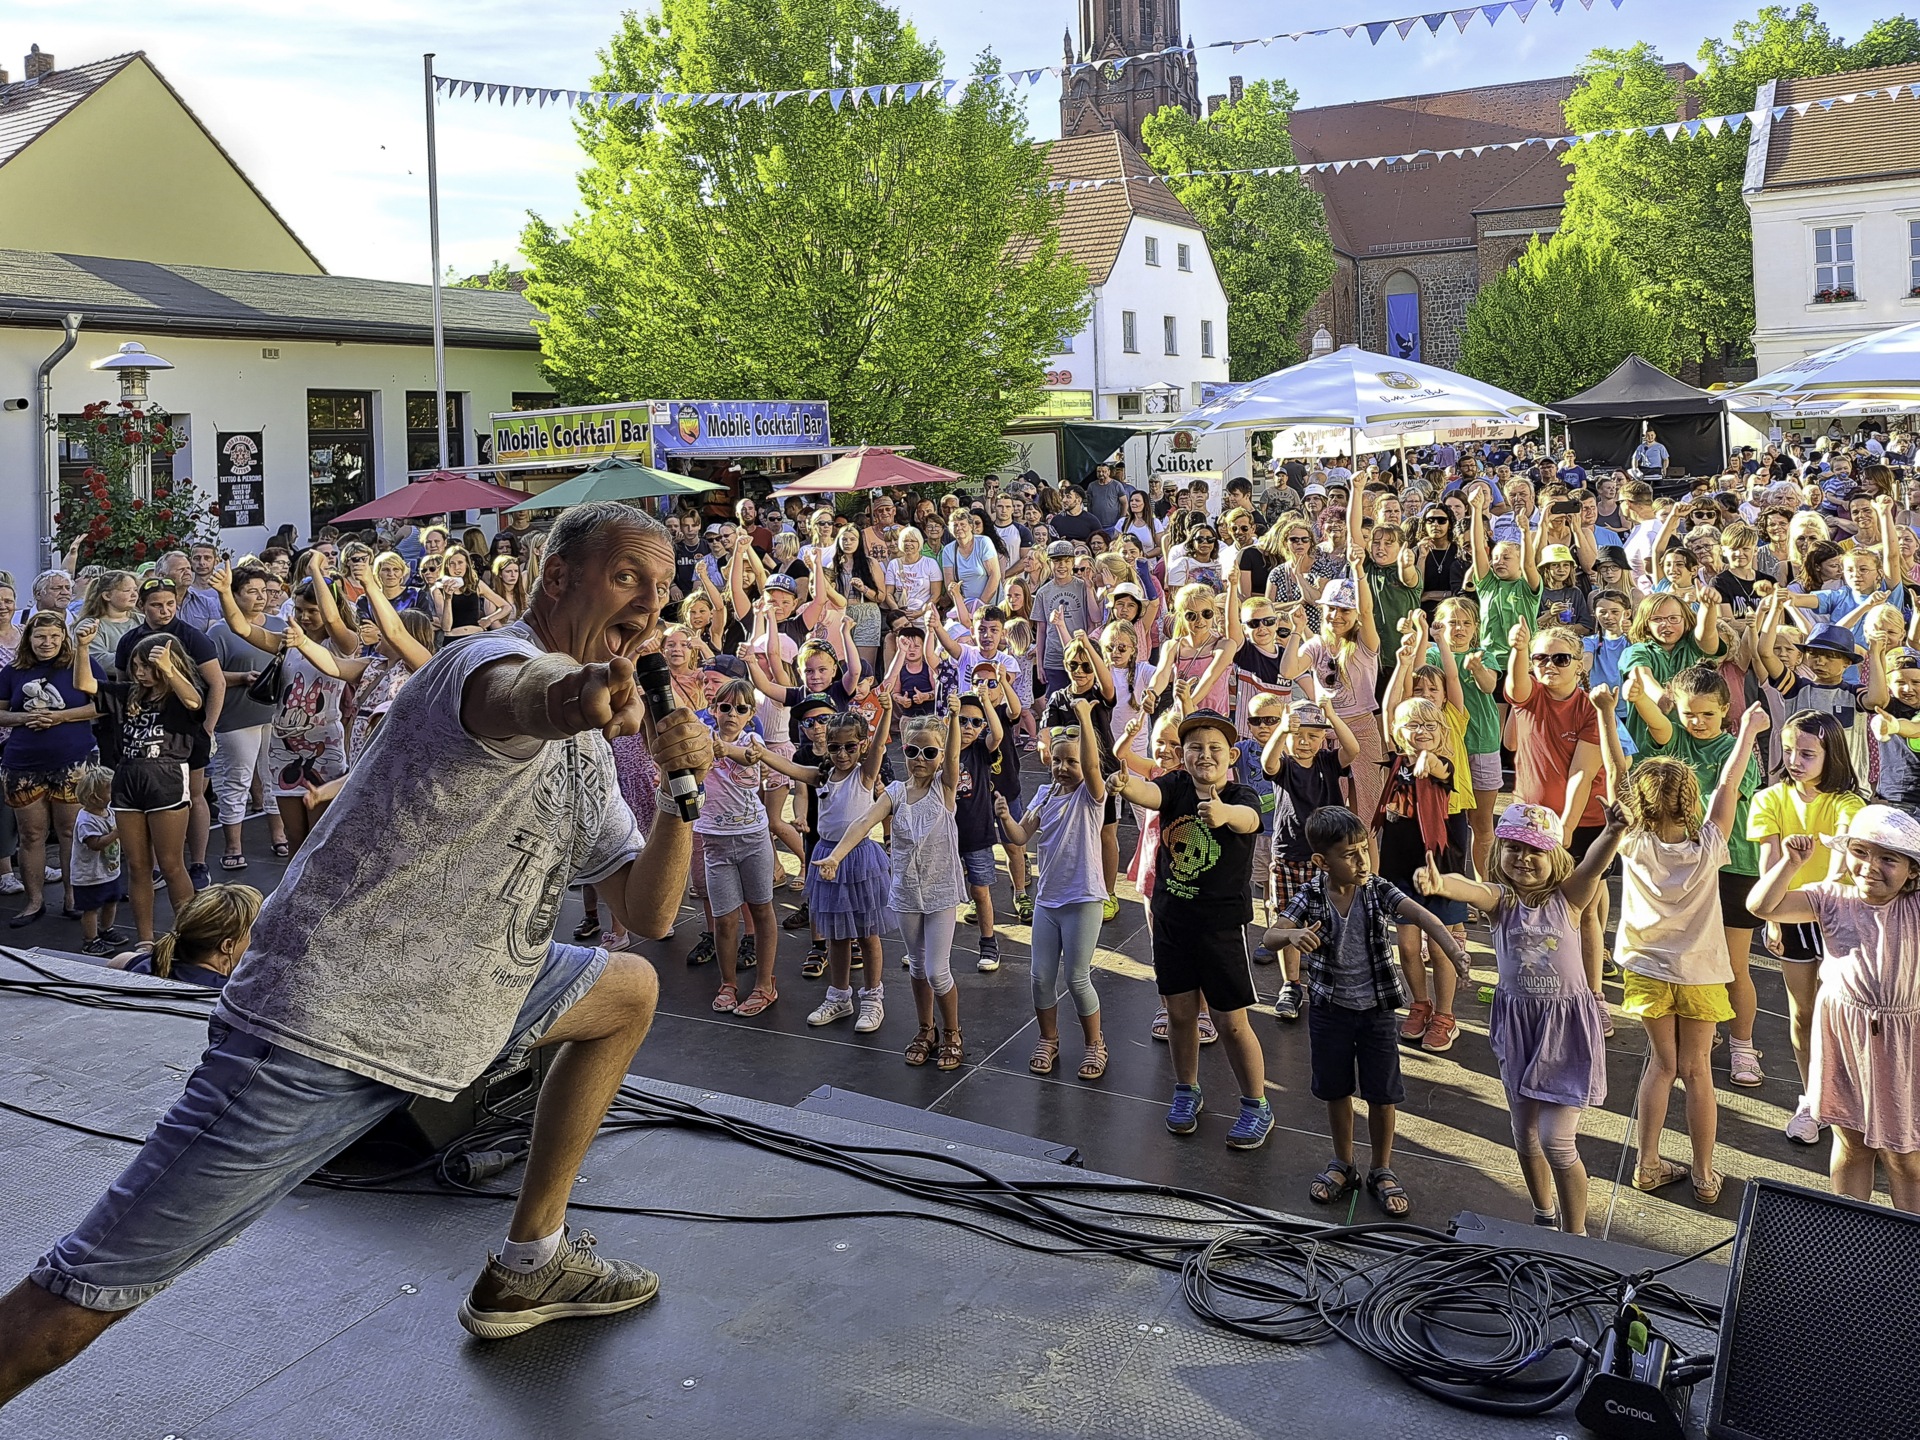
1249	770
46	686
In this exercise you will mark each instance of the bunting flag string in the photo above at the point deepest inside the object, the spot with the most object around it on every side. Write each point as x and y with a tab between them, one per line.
1672	130
487	93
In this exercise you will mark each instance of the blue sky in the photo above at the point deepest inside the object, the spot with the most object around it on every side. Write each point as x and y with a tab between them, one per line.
321	103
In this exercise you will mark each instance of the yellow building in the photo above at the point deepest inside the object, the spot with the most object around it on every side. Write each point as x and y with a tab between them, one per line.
60	131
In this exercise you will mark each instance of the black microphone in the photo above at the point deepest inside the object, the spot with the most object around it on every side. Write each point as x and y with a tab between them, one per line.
656	687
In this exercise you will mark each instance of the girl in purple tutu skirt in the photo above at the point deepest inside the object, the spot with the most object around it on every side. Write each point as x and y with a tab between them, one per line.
852	906
1545	1026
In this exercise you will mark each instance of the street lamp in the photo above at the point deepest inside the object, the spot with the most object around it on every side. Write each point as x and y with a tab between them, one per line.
130	364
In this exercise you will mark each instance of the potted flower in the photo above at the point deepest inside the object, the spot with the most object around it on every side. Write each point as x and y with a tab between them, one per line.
100	514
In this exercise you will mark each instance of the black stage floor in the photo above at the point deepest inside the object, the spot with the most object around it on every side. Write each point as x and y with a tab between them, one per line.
334	1315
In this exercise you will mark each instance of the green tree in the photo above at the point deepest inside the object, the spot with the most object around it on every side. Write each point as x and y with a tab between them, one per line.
1560	319
1673	208
899	261
1267	233
495	277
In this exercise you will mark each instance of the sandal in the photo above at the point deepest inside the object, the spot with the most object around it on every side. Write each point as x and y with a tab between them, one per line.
1095	1065
814	966
1671	1172
950	1050
728	1000
1708	1191
282	849
1044	1054
233	862
1385	1188
920	1048
1160	1023
1207	1033
1333	1184
759	1000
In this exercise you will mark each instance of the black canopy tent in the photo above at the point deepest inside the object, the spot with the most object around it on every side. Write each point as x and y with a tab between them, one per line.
1604	422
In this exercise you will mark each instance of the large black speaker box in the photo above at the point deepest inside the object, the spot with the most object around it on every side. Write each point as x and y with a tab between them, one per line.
425	1127
1820	1338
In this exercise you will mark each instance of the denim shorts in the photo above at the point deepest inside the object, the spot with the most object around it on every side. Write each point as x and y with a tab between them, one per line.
978	866
256	1120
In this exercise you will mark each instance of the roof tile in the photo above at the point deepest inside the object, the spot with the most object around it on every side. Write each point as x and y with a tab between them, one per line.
1093	222
29	108
1868	139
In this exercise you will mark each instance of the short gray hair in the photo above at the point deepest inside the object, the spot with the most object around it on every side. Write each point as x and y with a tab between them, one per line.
40	580
581	529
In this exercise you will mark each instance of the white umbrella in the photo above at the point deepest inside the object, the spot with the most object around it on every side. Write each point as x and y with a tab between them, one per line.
1376	395
1875	374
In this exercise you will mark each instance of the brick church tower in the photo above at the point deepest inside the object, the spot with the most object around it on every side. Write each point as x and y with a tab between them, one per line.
1096	100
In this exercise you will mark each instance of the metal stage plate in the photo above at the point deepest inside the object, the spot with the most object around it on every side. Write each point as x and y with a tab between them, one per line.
334	1316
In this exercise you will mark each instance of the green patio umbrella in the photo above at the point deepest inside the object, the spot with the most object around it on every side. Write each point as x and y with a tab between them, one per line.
615	479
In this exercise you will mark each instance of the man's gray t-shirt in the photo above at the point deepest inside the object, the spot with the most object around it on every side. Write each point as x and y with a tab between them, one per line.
1076	608
1106	502
417	916
238	657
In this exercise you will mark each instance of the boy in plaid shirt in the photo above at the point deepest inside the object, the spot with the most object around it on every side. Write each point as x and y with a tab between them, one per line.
1344	921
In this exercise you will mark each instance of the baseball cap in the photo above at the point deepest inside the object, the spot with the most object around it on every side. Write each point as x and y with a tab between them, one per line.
812	703
732	666
1127	588
1060	550
782	582
1905	658
1610	555
1209	719
1532	825
1340	596
1305	715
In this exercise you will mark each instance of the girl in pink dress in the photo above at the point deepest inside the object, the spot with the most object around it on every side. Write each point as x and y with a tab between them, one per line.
1866	1018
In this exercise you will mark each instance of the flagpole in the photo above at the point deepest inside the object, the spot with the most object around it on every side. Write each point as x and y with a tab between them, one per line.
433	240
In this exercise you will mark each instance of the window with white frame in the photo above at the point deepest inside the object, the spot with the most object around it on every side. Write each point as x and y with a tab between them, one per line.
1169	335
1913	254
1833	262
1206	338
1184	255
1153	250
1129	332
1065	347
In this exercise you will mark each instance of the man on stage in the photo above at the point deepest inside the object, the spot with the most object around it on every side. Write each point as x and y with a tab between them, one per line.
409	950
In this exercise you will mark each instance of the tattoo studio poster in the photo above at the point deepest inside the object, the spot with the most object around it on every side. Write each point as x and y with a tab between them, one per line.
241	503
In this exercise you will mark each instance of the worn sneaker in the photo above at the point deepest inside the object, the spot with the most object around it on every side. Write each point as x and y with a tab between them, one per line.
55	875
1023	907
1287	1007
12	884
1110	908
749	954
576	1282
195	873
1440	1033
1414	1027
831	1009
873	1009
1183	1116
703	949
1803	1129
989	954
1250	1131
970	915
799	920
100	946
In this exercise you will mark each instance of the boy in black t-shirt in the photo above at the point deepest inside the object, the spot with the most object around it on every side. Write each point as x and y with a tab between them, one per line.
1202	901
1306	775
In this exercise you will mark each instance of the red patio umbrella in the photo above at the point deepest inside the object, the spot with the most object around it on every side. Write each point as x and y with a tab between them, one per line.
436	494
871	467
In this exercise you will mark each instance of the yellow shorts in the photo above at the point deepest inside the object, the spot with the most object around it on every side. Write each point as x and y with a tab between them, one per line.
1654	999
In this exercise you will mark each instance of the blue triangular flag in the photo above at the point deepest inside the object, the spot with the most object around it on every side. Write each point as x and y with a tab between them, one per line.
1406	26
1492	12
836	96
1435	21
1377	28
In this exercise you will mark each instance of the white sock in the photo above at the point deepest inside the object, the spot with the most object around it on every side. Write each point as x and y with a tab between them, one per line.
878	992
531	1254
837	994
1737	1043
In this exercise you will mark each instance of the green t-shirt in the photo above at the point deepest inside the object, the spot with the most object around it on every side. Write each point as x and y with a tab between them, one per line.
1663	664
1483	710
1392	602
1705	758
1503	605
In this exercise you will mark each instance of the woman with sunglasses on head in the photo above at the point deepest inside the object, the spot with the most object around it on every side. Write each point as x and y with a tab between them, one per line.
1196	561
1440	557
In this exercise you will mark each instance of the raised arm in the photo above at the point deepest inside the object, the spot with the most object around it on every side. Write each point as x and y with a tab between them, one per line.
1477	536
1591	872
1774	897
345	636
1612	757
83	680
1090	775
877	752
1725	803
387	621
1519	661
1430	880
950	772
829	865
1706	630
1530	552
260	638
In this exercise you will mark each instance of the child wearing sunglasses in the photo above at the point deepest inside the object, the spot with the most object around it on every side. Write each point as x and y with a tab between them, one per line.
737	864
1089	679
926	876
981	738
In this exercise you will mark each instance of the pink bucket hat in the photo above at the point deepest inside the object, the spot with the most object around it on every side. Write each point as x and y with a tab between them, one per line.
1531	825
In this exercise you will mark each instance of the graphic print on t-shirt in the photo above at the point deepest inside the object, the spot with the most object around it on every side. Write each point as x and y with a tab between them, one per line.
142	735
569	805
1194	852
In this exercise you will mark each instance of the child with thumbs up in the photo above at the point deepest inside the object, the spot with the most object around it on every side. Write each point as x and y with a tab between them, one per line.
1545	1026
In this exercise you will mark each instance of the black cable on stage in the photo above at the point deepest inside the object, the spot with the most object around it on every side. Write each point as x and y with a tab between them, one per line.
1465	1323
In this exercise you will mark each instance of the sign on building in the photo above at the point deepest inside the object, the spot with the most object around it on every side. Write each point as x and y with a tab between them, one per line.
729	427
586	432
239	478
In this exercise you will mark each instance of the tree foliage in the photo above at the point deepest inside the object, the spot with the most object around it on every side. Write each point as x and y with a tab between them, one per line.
1560	319
1673	208
899	261
1267	233
496	276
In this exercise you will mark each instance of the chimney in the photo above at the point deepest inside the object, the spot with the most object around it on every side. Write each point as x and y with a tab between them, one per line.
3	77
38	64
1214	102
1234	88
